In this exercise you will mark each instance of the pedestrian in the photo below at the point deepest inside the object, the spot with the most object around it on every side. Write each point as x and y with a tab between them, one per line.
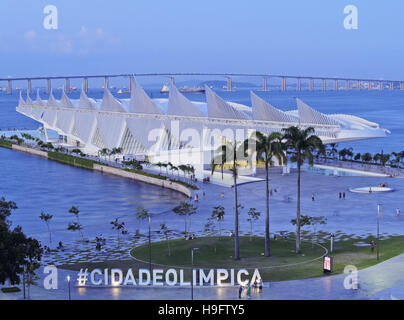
312	197
372	246
249	290
397	212
343	195
270	192
339	195
240	291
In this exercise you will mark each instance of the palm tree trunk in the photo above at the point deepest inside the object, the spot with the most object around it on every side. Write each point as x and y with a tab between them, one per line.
267	239
298	205
236	242
50	236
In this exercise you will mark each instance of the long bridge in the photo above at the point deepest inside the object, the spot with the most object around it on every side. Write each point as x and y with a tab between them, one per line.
348	83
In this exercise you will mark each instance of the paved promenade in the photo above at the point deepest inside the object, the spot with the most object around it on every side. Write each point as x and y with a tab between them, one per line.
377	282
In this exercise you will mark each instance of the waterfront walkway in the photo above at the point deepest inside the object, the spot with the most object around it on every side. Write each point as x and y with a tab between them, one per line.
382	281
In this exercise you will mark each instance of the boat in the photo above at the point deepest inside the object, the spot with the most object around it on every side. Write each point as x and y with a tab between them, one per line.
185	89
120	91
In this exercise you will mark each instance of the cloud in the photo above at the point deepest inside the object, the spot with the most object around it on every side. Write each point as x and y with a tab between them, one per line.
61	45
83	42
30	35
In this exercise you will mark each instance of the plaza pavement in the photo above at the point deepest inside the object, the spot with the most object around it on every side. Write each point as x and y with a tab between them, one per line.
382	281
356	215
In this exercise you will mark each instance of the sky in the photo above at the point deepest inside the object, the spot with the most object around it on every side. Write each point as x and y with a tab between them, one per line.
239	36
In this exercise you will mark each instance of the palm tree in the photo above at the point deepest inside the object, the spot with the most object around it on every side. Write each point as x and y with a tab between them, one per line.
253	216
159	164
218	214
46	217
141	215
119	227
219	160
231	150
183	168
185	209
171	167
165	165
303	142
76	212
164	230
333	150
74	226
267	147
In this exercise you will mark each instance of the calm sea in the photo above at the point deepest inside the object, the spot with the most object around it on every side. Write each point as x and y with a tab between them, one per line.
38	185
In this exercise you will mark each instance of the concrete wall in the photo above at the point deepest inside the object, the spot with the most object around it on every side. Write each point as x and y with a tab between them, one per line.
35	152
139	177
118	172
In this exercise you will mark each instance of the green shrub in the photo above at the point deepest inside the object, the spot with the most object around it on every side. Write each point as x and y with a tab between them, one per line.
72	160
5	143
10	289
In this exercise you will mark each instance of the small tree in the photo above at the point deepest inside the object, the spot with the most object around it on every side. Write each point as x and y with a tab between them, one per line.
316	221
118	226
185	209
74	226
253	216
210	229
75	211
166	233
46	217
159	164
311	221
33	254
141	215
218	215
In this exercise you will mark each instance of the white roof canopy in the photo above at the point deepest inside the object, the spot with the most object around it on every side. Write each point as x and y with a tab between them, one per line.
140	102
309	115
262	110
218	108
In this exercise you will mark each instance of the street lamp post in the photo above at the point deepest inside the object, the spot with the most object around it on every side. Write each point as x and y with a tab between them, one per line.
150	243
192	273
68	283
332	243
378	240
23	280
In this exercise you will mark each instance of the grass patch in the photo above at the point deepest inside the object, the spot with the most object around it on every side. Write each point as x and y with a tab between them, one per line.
10	290
69	159
6	143
282	252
